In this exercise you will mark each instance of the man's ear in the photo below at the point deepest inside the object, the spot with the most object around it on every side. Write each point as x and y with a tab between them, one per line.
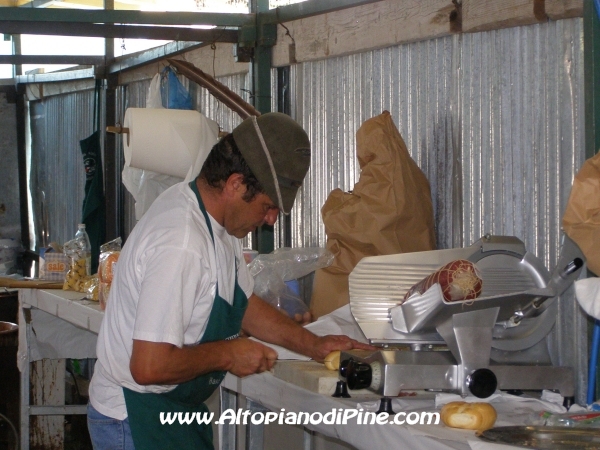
235	184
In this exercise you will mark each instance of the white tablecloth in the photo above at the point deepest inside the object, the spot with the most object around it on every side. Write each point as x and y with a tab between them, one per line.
64	325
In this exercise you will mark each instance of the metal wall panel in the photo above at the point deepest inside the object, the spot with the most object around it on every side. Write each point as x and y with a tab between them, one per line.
336	96
522	115
495	121
58	123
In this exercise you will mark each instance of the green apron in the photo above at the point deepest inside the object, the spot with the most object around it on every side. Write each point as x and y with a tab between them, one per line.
144	409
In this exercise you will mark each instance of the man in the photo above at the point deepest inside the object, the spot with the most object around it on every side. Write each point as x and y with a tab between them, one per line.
181	293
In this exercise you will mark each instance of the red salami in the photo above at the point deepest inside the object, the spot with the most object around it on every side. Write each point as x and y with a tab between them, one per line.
458	279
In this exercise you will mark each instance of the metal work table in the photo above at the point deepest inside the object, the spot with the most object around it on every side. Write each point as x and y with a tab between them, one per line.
54	325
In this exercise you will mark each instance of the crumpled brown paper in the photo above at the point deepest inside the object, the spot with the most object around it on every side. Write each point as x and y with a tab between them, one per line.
389	211
581	221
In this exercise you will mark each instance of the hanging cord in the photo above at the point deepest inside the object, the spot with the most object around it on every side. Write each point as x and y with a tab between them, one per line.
593	363
213	47
118	123
14	430
287	33
97	91
287	30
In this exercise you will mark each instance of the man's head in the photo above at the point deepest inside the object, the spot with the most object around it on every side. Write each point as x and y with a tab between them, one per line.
277	151
223	161
272	152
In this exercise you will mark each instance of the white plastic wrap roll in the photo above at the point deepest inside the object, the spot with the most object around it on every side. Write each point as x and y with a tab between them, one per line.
173	142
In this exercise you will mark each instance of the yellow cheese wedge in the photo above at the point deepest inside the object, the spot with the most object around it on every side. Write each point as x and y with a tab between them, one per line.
332	361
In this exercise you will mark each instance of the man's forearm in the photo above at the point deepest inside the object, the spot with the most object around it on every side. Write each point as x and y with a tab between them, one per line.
162	363
266	323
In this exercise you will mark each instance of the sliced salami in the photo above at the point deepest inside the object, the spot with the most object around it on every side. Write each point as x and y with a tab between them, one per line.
458	279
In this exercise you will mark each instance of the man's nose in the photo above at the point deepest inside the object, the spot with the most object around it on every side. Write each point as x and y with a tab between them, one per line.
271	216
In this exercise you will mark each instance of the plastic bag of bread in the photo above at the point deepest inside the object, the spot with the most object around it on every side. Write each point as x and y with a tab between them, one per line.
459	280
90	286
78	265
109	255
469	416
103	292
76	274
106	267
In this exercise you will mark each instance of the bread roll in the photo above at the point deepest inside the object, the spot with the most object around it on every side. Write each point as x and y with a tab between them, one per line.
470	416
332	361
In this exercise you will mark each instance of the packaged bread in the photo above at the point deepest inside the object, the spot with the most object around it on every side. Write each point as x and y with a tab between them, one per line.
76	275
103	291
107	263
469	416
89	286
106	268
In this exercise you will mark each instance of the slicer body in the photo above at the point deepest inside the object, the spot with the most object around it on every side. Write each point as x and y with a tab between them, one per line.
497	341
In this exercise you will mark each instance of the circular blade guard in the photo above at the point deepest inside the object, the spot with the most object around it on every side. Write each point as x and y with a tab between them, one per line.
379	283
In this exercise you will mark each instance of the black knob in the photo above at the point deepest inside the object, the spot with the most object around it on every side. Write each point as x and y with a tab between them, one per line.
358	375
341	390
385	405
568	402
344	368
482	383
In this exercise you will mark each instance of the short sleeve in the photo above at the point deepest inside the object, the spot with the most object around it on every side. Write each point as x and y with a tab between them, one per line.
169	296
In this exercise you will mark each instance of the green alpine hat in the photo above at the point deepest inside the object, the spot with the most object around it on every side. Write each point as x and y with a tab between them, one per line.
277	151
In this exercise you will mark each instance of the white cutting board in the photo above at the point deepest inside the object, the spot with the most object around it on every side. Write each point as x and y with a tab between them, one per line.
312	376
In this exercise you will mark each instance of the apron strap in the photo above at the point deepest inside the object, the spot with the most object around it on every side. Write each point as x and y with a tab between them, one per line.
194	188
202	208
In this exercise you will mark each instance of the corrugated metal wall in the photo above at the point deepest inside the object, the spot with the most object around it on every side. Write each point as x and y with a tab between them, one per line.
495	121
58	123
510	100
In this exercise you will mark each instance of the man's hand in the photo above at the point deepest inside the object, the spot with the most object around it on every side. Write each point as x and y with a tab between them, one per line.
327	344
248	357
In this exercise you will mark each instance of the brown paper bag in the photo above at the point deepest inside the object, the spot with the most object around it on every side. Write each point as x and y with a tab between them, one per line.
581	221
389	211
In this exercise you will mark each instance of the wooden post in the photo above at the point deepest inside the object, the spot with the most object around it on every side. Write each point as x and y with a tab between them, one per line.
47	388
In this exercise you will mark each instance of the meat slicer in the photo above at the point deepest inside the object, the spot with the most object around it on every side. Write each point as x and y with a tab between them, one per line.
497	341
